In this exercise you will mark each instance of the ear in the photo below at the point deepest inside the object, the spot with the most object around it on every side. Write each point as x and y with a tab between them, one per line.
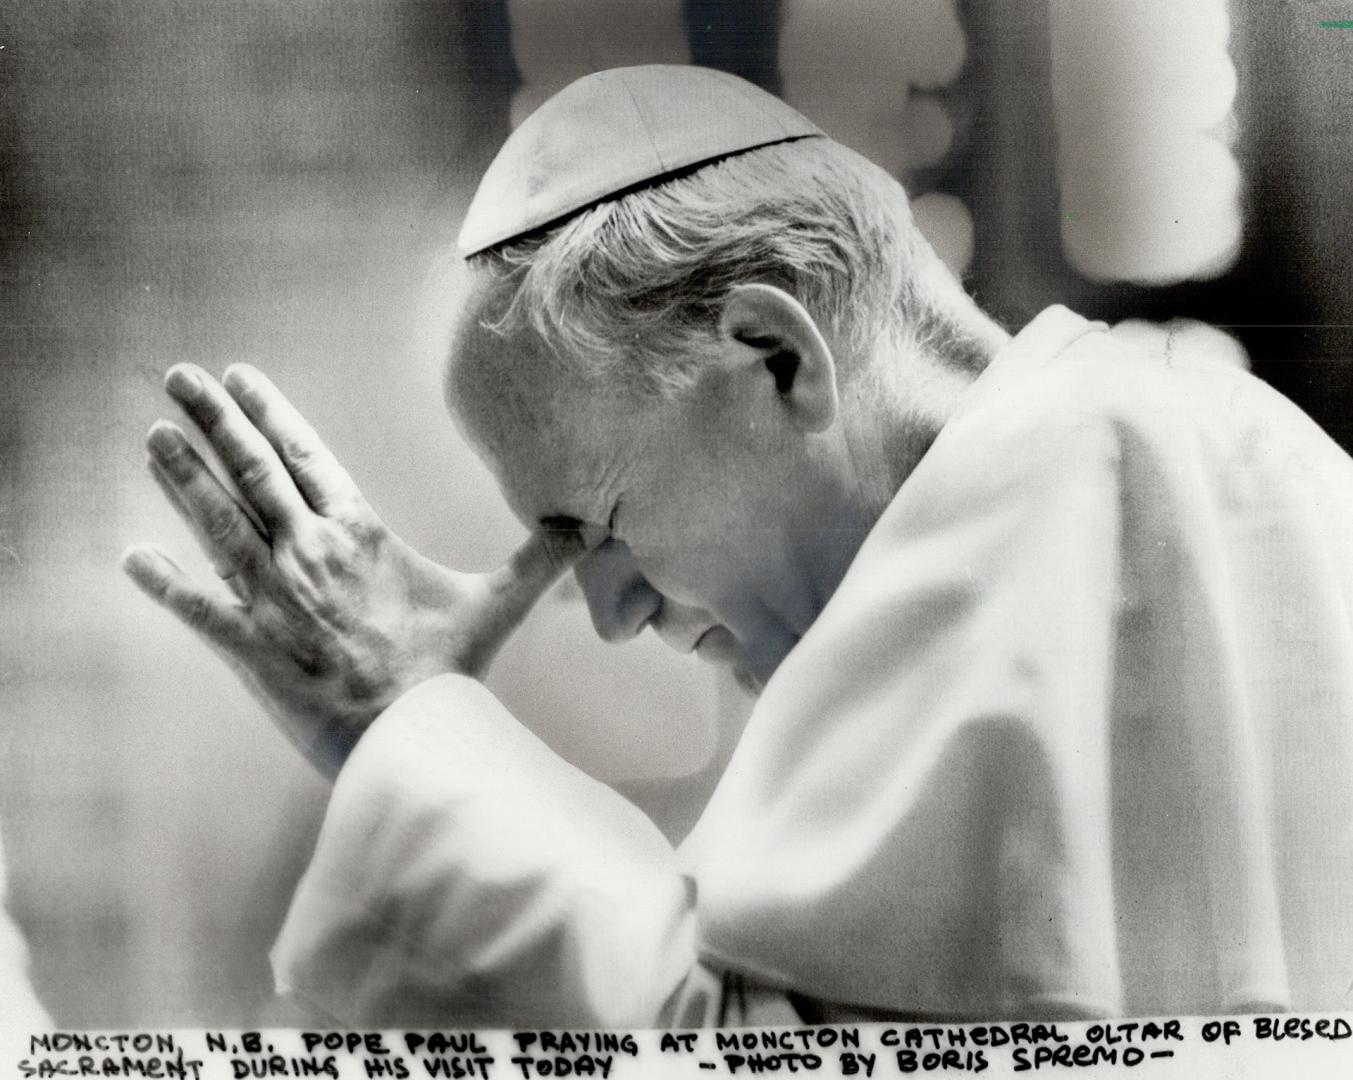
791	349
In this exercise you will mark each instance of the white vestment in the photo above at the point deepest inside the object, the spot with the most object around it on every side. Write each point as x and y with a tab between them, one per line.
1074	736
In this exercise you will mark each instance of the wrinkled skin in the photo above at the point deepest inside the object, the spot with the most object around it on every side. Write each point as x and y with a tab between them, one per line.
326	615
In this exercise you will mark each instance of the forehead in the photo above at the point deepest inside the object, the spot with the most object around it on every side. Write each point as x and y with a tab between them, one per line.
556	442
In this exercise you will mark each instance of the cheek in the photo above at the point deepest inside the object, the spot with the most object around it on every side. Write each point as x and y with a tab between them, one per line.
684	572
700	541
680	560
720	571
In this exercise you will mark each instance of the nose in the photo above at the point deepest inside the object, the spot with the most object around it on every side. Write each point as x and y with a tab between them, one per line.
619	598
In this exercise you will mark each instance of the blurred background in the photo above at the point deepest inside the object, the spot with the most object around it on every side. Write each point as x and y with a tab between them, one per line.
280	181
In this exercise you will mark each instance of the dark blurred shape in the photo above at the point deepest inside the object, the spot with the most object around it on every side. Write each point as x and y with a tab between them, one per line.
487	45
1293	301
469	45
1287	297
742	38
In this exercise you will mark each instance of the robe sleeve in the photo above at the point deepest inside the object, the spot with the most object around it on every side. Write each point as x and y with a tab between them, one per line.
466	875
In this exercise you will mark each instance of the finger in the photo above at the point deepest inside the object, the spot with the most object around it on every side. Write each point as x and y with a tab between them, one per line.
160	578
248	457
227	535
326	485
225	570
534	567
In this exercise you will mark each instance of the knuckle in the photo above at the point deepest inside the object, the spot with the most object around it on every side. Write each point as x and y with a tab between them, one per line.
219	523
197	609
253	474
359	522
298	454
293	561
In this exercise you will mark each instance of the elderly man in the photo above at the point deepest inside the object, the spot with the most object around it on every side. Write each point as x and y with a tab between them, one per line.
1053	635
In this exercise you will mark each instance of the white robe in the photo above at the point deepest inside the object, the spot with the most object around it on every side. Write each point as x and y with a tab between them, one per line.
1073	737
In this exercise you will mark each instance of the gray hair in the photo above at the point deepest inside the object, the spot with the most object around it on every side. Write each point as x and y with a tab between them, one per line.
629	289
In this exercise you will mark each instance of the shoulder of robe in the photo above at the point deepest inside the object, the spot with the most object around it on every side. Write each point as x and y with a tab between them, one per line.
1098	389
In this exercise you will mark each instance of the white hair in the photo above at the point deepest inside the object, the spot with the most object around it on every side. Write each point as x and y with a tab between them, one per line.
629	289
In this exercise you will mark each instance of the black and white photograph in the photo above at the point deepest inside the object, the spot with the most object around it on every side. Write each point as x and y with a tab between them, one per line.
595	517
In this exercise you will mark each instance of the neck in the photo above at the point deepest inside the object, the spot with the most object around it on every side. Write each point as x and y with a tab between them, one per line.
913	389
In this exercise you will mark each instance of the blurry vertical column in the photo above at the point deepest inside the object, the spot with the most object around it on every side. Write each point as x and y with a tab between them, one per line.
1142	98
555	43
871	74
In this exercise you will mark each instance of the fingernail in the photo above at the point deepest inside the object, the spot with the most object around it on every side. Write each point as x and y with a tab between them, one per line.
139	564
166	441
183	381
240	377
136	560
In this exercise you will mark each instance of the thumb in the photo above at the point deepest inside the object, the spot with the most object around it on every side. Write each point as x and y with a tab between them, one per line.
530	570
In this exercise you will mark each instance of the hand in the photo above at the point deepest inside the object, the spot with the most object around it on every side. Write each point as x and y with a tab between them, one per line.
324	613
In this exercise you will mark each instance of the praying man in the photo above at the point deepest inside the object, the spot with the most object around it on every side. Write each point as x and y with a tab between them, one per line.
1052	634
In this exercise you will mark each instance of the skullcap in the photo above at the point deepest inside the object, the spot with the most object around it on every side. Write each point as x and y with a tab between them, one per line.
613	131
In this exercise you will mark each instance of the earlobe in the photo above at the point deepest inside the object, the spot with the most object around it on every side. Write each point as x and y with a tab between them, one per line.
792	351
